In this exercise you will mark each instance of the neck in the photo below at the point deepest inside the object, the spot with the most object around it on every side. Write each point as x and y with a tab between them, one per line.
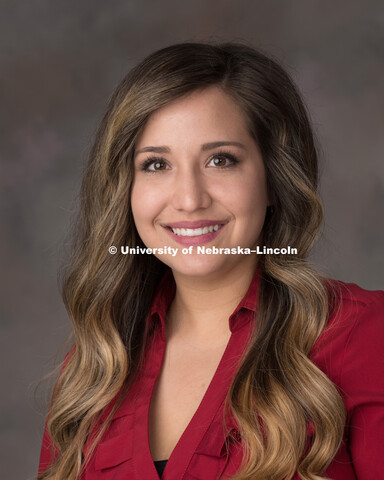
201	307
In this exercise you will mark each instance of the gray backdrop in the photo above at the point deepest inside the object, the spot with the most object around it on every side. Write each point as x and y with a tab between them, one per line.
60	61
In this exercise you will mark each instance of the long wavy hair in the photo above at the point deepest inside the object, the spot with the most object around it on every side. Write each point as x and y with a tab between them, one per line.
278	392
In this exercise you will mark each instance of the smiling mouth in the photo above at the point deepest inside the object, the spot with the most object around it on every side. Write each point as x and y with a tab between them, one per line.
194	232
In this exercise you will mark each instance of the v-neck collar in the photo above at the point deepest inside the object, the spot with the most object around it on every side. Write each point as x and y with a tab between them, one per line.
213	400
201	421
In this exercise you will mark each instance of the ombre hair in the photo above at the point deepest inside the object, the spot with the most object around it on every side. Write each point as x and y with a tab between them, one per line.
278	393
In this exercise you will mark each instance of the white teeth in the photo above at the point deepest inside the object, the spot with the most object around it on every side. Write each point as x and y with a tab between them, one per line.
194	232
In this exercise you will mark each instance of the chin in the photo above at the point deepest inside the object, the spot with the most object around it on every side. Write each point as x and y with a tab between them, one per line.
199	265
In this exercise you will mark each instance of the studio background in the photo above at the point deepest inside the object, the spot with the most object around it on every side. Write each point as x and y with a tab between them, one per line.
61	60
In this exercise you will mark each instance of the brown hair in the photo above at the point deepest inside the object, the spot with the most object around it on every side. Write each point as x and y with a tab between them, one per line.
108	296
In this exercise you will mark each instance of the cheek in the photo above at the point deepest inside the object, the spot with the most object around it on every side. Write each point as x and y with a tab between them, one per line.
250	199
250	209
145	203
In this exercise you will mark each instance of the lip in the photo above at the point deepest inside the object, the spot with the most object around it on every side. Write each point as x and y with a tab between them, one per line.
195	224
195	240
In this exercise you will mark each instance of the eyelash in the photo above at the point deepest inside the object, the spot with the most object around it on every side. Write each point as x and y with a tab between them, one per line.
151	160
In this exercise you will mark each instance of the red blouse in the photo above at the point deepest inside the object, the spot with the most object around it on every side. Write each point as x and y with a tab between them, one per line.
349	351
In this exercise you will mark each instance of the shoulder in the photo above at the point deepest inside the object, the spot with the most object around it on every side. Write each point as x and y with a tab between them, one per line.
353	306
352	295
355	339
354	335
359	311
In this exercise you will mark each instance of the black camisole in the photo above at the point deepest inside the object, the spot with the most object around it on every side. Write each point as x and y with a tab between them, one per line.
160	465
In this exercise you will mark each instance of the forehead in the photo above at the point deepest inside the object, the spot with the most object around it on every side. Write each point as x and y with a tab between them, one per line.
207	114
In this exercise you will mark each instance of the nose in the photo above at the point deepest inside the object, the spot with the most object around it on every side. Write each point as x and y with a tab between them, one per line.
190	191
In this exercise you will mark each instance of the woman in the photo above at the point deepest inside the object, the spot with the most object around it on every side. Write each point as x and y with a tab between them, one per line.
235	364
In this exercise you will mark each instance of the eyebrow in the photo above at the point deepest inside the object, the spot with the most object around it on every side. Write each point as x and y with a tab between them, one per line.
204	147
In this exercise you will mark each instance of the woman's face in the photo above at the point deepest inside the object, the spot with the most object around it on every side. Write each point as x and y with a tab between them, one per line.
199	181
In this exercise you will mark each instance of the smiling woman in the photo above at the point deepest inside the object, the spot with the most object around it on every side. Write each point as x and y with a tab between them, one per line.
191	365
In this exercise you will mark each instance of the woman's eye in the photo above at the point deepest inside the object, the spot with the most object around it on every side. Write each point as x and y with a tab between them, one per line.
157	166
222	161
154	165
